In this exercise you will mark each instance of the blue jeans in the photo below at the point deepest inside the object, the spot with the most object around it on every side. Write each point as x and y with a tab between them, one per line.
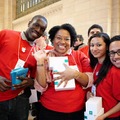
15	109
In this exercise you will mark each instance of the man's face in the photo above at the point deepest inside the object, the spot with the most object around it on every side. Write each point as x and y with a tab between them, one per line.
35	29
94	31
114	51
78	42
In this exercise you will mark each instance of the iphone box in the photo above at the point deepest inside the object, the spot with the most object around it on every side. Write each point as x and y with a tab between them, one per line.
56	64
93	105
88	116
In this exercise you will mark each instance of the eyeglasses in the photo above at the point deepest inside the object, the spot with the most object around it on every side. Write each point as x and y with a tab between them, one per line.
112	53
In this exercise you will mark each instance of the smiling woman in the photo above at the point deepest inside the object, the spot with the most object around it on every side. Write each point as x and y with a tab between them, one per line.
78	69
106	76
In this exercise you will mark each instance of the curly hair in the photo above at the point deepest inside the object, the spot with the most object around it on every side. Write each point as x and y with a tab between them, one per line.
53	31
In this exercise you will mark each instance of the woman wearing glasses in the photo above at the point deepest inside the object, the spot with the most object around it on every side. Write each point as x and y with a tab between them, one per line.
106	76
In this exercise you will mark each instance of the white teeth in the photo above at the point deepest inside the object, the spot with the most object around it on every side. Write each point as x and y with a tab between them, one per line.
117	61
61	46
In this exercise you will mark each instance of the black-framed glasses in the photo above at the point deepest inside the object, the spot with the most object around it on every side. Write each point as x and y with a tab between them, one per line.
112	53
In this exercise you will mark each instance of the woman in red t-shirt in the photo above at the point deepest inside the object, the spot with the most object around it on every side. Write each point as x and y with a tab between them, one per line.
106	76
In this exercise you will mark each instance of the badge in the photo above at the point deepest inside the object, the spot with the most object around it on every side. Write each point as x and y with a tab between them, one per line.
20	63
93	90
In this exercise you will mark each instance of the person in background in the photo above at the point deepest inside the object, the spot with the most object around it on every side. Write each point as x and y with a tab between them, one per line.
15	52
43	42
106	77
94	29
79	42
66	104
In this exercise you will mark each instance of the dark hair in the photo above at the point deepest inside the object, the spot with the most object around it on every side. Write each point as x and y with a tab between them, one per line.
39	16
80	37
68	27
115	38
106	63
95	26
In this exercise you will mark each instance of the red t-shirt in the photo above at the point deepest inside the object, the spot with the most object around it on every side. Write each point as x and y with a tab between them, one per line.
69	100
85	50
109	89
12	48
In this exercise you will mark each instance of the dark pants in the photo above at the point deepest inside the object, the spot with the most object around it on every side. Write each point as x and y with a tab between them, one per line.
15	109
116	118
46	114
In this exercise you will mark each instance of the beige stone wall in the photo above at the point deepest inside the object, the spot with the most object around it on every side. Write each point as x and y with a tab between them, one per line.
80	13
7	12
115	23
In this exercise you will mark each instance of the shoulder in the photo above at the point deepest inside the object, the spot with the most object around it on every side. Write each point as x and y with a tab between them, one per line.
9	32
114	72
48	47
79	53
86	47
80	57
85	50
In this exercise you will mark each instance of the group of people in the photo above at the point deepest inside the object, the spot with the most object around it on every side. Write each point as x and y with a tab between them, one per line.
97	66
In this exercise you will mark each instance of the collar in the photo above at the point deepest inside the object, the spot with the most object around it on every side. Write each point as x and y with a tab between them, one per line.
24	38
69	51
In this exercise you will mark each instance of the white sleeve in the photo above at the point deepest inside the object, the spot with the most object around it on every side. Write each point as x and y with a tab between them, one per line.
38	87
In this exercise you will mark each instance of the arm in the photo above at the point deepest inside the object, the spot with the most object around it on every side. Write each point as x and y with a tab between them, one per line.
40	73
85	78
70	73
114	81
40	57
110	112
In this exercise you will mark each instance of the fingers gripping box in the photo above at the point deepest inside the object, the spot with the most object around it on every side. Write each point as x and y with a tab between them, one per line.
93	108
88	116
18	72
56	64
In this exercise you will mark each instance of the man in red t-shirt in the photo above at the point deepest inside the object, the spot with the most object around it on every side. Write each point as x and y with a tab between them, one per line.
16	52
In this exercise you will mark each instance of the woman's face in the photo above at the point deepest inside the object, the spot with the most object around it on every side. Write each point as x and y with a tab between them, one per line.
98	48
62	41
114	50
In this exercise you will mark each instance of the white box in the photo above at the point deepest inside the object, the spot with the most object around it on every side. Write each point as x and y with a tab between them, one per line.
93	117
70	85
93	105
57	64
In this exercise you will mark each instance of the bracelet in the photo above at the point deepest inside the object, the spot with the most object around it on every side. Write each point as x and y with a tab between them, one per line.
40	65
